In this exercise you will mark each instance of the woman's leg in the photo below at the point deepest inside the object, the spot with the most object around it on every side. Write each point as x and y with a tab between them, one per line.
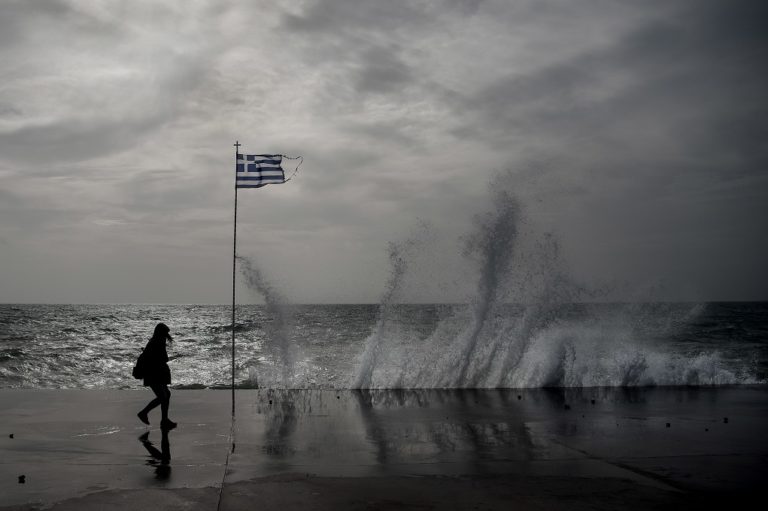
157	389
165	401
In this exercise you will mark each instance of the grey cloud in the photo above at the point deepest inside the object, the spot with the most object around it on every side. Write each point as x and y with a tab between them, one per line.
382	71
369	37
372	16
97	116
94	133
466	7
334	16
381	133
346	163
17	15
166	191
68	140
10	111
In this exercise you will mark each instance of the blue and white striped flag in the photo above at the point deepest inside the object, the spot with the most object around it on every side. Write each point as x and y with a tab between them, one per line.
257	170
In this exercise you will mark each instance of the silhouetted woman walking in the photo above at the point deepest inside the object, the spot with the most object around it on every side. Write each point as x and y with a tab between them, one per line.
157	375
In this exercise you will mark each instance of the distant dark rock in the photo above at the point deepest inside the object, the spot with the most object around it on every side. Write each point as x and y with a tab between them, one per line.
22	479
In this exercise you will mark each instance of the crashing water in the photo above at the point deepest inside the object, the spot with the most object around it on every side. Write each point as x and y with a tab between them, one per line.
492	344
524	324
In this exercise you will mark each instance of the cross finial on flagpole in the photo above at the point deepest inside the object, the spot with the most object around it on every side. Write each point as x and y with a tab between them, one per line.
237	145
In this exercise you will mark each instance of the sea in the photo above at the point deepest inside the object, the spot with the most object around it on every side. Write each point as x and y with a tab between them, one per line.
391	345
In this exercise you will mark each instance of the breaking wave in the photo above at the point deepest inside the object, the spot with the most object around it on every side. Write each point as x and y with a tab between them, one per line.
547	342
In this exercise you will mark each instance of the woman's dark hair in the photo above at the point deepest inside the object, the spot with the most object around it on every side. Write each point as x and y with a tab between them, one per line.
162	332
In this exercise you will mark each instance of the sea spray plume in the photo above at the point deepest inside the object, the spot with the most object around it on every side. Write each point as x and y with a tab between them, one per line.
549	291
493	243
478	346
277	343
510	271
399	255
525	325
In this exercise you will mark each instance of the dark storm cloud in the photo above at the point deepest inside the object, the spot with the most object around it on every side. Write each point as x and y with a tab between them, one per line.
687	89
650	129
362	37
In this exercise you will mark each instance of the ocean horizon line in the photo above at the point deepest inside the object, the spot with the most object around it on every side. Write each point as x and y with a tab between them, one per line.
311	304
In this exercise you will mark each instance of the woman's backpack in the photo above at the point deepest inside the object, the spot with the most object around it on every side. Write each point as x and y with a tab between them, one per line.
140	367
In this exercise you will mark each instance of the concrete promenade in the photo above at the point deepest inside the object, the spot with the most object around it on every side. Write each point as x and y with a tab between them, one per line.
420	449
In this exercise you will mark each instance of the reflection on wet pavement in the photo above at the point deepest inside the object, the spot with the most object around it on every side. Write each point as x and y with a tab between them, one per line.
159	459
588	432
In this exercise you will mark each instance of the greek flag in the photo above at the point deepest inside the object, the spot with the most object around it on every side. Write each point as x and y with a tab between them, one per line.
257	170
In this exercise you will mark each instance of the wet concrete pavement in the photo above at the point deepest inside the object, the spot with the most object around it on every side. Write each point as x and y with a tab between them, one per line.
582	432
69	443
74	444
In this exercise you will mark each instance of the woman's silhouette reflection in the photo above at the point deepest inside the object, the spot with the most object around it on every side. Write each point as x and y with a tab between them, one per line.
161	459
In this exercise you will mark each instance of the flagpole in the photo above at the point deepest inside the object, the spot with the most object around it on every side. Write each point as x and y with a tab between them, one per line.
234	265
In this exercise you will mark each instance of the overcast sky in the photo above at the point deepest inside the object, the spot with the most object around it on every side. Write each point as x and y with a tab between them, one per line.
635	132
